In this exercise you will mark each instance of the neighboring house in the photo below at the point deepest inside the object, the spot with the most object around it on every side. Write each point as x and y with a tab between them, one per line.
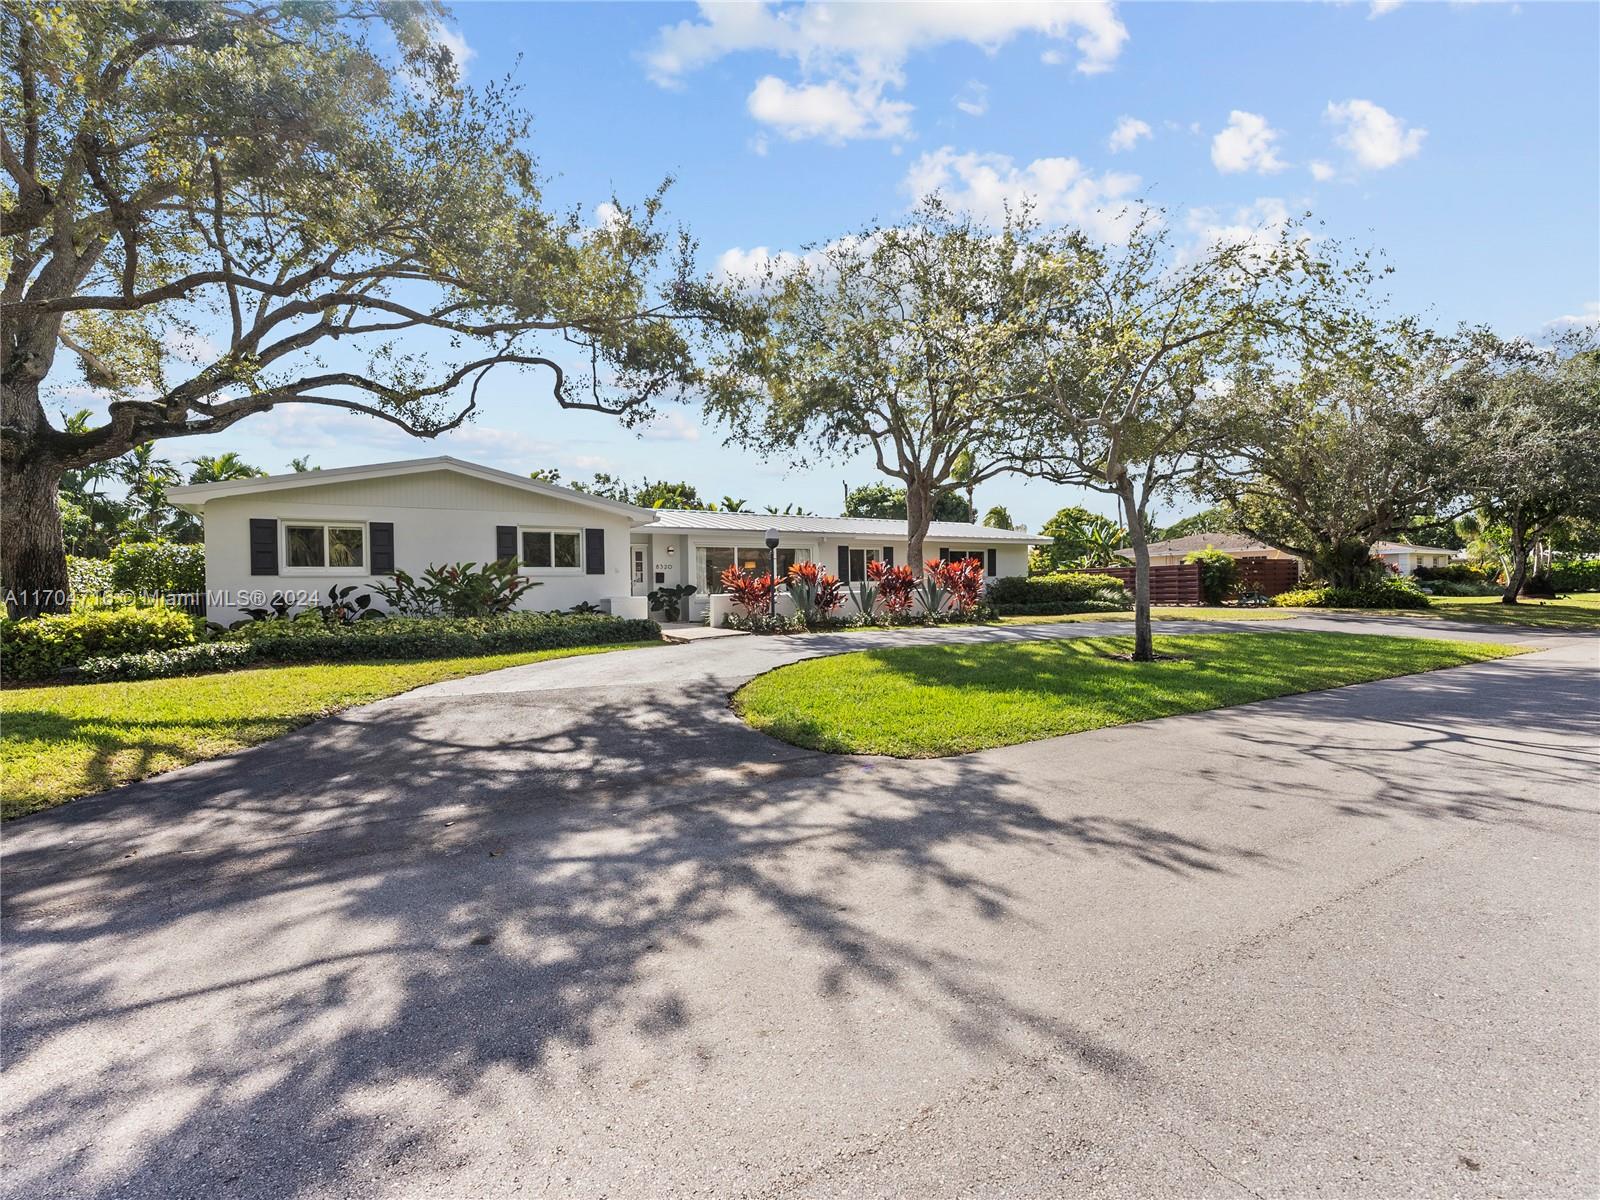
300	534
1169	553
1405	558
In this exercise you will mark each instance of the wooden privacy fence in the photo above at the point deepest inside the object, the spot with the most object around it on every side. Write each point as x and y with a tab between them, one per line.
1180	582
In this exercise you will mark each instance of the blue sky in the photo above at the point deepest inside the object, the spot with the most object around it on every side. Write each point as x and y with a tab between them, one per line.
1462	139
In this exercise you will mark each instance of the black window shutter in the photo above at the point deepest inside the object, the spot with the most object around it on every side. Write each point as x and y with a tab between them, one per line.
382	533
844	563
263	546
594	551
994	562
888	556
505	541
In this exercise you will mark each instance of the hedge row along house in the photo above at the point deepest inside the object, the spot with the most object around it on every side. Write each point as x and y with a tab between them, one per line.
303	533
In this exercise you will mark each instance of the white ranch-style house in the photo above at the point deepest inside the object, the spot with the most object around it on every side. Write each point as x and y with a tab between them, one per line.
301	534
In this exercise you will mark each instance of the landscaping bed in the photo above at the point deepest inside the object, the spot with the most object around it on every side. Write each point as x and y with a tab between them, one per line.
934	701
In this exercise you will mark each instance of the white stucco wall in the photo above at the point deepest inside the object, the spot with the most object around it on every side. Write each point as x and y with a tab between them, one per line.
439	517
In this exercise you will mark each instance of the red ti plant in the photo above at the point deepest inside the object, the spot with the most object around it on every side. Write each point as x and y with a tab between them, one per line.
963	579
753	593
896	587
830	594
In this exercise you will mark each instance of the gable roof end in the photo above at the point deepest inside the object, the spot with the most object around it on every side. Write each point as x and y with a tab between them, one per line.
193	497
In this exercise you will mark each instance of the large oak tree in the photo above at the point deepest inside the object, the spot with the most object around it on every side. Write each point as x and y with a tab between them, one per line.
307	201
900	339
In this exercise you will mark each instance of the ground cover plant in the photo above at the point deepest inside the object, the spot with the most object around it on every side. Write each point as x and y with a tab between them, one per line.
933	701
59	742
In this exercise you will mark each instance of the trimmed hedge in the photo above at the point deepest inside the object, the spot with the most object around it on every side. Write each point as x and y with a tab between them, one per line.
308	639
1219	573
88	577
158	568
1057	589
1382	593
160	664
1576	574
40	647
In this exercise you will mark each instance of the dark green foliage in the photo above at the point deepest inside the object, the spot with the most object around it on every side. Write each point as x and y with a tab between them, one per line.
669	601
159	664
158	568
889	503
1219	573
309	639
42	647
1576	574
1026	594
1453	573
1380	593
457	590
88	577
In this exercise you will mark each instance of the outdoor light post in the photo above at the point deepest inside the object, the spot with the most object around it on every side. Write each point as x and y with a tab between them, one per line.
772	548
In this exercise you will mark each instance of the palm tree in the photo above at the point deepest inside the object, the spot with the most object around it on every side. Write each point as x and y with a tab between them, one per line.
729	504
148	479
218	468
1102	540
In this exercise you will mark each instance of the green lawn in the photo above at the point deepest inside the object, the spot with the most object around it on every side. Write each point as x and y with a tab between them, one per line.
58	742
932	701
1578	611
1198	612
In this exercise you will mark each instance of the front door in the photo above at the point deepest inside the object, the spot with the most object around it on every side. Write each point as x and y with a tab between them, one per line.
638	565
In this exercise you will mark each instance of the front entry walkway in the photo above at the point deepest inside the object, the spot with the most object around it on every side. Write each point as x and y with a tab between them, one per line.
684	631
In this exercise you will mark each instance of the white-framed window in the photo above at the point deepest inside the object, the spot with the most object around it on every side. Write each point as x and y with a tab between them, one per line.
324	546
711	561
552	549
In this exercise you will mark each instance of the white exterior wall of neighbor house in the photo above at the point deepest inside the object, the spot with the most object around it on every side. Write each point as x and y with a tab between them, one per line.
439	517
1406	558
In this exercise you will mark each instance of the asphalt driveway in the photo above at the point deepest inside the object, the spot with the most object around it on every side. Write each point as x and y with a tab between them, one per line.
572	929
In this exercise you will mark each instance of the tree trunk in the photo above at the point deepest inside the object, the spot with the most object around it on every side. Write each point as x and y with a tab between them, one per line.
33	559
1143	636
919	513
1517	575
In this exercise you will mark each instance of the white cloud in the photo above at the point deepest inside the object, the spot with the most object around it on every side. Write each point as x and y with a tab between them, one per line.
738	263
1127	134
1589	315
829	110
669	427
1381	8
452	41
1321	171
973	99
1246	143
849	53
1259	224
1059	189
1374	137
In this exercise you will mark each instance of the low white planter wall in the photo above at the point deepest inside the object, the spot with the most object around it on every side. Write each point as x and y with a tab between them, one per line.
632	607
722	605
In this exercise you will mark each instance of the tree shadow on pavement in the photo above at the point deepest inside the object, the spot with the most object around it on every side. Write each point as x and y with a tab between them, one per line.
244	977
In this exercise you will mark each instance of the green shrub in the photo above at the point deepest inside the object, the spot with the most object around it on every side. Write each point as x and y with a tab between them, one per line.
158	568
40	647
87	577
1454	573
159	664
1576	574
1380	593
1448	587
309	639
1020	591
1219	573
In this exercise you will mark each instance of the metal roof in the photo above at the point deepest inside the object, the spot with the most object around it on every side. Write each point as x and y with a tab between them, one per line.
685	520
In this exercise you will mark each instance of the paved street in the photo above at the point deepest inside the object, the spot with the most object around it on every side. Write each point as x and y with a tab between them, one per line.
573	930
